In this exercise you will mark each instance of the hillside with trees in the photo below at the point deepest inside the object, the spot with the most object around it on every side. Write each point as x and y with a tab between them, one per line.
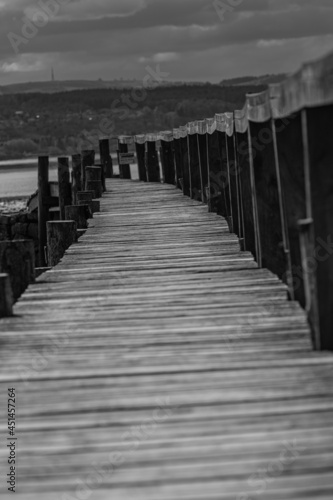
66	122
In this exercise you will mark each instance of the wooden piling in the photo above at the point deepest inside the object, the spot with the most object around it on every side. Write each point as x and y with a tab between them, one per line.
87	198
65	194
106	159
215	200
60	236
124	170
202	150
80	214
152	162
178	161
168	159
140	153
6	296
17	258
88	160
43	209
76	176
103	178
186	166
195	180
94	181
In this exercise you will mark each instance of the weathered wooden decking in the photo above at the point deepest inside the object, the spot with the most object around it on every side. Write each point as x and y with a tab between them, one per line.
156	362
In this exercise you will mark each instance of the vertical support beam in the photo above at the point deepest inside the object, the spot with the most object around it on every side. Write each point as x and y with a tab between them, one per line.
94	181
241	220
195	178
60	236
65	195
86	198
140	154
186	166
233	184
17	258
202	149
216	202
223	178
167	153
76	176
307	244
6	296
285	234
88	160
80	214
152	162
254	202
106	159
124	170
43	210
317	124
178	161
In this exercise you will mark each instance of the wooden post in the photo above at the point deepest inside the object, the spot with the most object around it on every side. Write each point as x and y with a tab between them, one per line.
86	198
94	180
6	296
233	185
216	200
76	176
95	206
140	153
43	210
60	236
80	214
167	154
178	160
88	160
202	152
196	191
186	166
124	170
106	159
65	195
152	163
103	179
17	258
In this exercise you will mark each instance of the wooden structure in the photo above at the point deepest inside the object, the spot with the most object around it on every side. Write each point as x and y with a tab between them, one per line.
157	361
169	354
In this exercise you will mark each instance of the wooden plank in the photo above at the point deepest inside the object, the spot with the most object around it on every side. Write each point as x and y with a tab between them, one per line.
156	334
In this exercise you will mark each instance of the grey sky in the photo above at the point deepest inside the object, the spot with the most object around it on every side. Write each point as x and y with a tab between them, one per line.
111	38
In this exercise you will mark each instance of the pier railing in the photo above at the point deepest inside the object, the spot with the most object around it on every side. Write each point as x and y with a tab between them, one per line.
268	169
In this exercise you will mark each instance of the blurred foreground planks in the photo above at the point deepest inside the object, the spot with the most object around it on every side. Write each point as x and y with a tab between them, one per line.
156	362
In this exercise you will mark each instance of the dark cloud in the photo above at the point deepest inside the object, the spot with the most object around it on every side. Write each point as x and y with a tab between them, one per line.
132	32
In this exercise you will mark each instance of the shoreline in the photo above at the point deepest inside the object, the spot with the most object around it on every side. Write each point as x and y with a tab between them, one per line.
13	204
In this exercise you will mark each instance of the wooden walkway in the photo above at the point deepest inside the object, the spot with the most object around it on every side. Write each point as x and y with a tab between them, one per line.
156	362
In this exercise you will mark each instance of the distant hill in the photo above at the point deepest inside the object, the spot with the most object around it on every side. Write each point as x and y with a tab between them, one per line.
66	86
254	80
70	85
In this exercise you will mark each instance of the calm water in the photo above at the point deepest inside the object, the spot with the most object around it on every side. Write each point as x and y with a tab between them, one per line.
19	177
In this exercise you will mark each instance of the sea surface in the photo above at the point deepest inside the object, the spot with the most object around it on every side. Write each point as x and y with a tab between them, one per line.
18	178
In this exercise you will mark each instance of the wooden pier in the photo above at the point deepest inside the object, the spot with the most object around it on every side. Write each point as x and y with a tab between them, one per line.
156	361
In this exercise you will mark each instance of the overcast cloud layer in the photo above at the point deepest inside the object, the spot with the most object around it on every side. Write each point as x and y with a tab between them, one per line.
90	39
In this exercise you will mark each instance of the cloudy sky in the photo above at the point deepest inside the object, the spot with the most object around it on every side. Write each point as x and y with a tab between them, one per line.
203	40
